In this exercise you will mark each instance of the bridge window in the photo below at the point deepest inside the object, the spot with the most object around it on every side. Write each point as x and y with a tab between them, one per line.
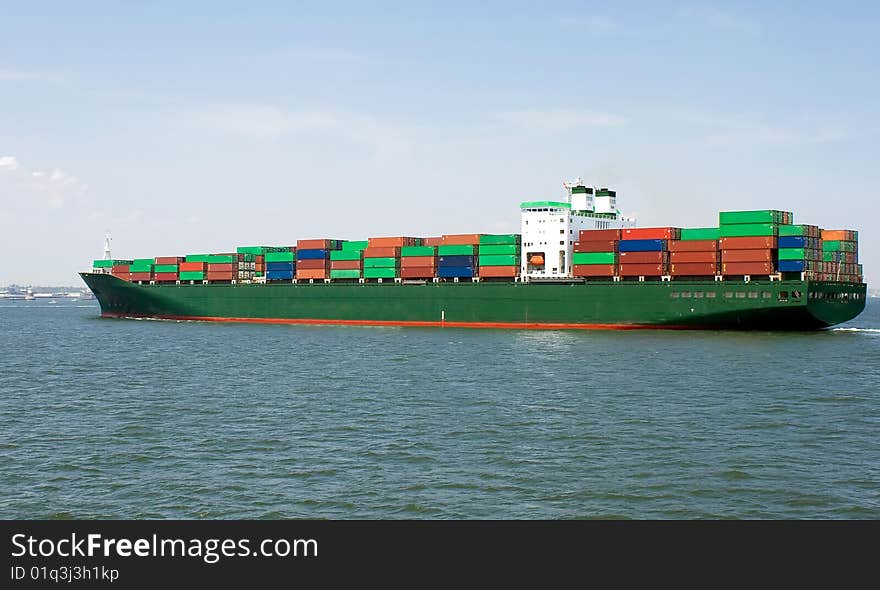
753	295
728	295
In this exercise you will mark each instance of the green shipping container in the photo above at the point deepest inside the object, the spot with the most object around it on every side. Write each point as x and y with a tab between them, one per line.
197	257
763	216
259	273
381	263
109	263
165	268
192	275
793	254
418	251
143	261
792	230
499	239
140	268
455	250
221	259
594	258
345	255
280	257
355	245
499	260
742	230
380	273
499	249
838	246
252	249
698	233
345	274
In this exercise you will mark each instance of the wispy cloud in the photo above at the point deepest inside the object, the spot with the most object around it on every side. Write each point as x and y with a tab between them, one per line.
738	130
54	186
719	19
557	120
7	75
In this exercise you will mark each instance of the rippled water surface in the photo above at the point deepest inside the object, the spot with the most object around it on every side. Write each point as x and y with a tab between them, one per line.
146	419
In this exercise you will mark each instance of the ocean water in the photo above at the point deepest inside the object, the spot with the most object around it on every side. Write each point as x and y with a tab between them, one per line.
105	418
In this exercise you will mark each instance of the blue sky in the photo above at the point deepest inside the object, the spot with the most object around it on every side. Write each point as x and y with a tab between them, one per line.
201	127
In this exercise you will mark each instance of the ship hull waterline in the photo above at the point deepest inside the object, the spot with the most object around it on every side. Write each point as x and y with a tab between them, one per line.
706	304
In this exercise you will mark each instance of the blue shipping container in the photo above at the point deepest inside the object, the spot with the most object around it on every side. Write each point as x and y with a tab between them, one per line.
642	245
460	261
448	272
279	275
282	266
797	242
791	265
311	254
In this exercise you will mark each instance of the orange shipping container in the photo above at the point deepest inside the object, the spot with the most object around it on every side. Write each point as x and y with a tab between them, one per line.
432	241
166	276
693	245
302	273
396	242
382	251
498	271
693	269
837	234
594	270
747	243
763	255
169	259
141	276
642	257
694	257
314	244
591	235
221	276
641	270
192	266
747	268
314	264
345	265
651	233
596	246
417	272
222	266
418	261
461	240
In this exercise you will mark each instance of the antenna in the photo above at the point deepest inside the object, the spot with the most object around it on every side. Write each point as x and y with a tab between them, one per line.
107	246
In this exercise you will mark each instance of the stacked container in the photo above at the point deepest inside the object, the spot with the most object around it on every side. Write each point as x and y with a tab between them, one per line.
800	249
457	256
840	255
382	256
695	253
141	269
166	268
644	251
229	267
280	263
499	256
313	258
418	262
596	253
748	241
347	262
108	266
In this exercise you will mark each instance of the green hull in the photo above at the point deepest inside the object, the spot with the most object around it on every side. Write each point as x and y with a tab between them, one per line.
677	304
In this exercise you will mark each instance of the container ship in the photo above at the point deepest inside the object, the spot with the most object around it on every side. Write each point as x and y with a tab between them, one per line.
576	264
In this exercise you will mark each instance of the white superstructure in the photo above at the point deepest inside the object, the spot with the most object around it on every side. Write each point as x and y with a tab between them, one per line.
550	228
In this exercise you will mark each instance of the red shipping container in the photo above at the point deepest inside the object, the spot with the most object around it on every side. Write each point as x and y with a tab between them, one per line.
693	269
595	235
382	251
461	240
693	245
320	263
307	273
694	257
345	265
651	233
642	270
499	271
314	244
418	261
192	266
168	259
642	257
395	242
120	268
747	255
432	241
594	270
166	276
222	266
122	275
747	268
141	276
417	272
596	246
747	243
221	276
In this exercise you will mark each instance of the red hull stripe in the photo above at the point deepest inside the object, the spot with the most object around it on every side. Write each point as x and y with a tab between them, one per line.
403	323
